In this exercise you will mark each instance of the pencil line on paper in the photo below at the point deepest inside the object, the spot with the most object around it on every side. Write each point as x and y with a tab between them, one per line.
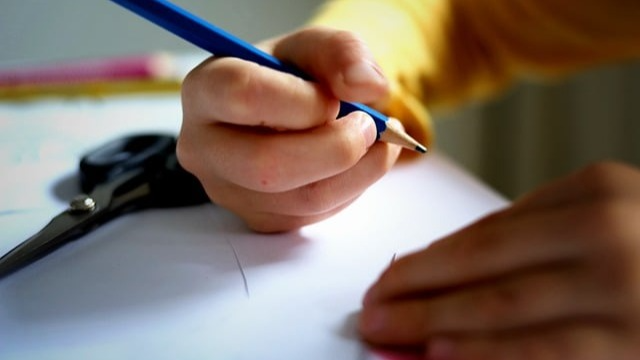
244	276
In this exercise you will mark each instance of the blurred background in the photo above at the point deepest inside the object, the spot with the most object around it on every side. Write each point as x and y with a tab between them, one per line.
526	136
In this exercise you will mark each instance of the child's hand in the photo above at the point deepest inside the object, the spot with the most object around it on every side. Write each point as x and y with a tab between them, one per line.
555	276
267	145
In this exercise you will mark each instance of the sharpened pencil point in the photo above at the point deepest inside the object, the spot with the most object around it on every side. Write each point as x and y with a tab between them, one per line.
395	134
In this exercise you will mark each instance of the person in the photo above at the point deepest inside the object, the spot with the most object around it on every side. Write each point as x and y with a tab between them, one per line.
555	275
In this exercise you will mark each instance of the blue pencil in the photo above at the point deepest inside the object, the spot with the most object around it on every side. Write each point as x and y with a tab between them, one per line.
221	43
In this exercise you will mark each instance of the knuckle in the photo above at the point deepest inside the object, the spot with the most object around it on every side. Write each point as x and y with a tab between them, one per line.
240	93
610	222
228	86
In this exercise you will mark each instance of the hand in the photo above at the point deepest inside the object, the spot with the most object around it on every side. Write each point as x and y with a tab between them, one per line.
554	276
267	145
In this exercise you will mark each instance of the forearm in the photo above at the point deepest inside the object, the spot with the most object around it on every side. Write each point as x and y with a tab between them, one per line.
511	39
439	52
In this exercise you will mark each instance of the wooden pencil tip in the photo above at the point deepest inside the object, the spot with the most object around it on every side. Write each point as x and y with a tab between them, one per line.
395	134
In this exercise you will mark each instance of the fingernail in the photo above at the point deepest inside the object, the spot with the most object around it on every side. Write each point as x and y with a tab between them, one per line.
440	349
368	127
363	72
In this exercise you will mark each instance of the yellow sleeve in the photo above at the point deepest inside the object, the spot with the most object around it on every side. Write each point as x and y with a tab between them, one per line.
444	52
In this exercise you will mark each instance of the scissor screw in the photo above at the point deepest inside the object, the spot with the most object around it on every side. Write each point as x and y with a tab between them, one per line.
82	204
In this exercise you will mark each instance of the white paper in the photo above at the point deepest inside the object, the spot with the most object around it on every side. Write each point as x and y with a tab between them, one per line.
193	283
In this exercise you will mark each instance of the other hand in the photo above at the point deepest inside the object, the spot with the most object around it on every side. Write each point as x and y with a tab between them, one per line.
554	276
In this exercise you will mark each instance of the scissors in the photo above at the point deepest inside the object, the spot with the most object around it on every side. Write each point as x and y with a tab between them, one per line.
126	174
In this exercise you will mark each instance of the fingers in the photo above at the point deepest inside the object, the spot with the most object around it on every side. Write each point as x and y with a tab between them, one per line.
309	203
496	246
509	270
313	198
565	255
575	217
238	92
530	298
280	161
338	59
578	340
243	93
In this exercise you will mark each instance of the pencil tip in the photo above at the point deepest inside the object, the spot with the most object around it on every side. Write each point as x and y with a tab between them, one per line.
395	134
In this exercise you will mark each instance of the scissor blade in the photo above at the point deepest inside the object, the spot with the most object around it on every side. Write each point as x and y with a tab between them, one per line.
60	230
109	200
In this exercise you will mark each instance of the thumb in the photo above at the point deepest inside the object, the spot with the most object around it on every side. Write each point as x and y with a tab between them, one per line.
337	59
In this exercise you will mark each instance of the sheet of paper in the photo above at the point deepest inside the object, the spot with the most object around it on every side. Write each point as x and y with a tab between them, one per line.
193	283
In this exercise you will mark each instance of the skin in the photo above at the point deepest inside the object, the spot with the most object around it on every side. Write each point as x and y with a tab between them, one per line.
267	145
556	275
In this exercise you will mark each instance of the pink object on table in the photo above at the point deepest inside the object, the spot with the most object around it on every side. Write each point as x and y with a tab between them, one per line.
153	66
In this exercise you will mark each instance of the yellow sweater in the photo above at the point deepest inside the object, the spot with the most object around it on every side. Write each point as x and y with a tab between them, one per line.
444	52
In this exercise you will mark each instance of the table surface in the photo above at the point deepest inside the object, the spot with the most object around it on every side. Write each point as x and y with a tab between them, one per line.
193	283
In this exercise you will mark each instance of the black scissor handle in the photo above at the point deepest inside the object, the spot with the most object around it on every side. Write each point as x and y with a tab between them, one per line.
175	187
107	162
170	185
